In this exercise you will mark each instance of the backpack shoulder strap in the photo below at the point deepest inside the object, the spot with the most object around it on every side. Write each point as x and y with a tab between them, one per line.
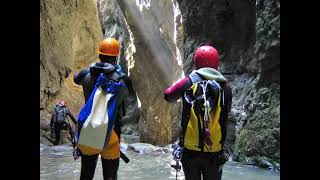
195	77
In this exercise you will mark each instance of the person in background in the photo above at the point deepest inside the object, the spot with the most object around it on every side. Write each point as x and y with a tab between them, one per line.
60	122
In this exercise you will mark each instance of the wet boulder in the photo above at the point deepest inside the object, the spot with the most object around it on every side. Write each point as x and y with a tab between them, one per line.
145	148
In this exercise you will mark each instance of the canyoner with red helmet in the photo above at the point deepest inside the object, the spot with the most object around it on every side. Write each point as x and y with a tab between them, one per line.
206	98
59	121
205	102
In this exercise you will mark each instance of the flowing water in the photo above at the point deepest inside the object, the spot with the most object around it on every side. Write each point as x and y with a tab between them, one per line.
59	164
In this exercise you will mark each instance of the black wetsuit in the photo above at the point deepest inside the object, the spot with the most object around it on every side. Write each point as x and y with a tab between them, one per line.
59	123
87	79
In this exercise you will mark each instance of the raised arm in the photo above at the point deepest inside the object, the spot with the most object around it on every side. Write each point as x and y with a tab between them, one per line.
175	92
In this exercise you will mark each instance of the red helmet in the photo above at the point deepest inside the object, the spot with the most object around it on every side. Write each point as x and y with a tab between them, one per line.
206	56
62	103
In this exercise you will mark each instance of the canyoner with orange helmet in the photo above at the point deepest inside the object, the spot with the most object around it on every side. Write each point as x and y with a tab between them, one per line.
104	88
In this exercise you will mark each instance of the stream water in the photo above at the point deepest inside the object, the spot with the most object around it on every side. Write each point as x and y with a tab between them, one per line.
59	164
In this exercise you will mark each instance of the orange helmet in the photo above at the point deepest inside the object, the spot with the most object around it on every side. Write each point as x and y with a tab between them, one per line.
109	47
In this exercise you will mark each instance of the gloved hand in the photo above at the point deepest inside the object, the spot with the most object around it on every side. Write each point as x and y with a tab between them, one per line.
222	158
177	152
76	153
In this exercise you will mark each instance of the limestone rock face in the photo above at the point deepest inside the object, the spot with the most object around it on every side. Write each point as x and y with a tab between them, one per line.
261	102
113	24
152	66
69	36
228	25
247	36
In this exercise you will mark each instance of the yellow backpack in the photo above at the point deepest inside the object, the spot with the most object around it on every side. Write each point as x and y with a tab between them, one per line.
203	117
